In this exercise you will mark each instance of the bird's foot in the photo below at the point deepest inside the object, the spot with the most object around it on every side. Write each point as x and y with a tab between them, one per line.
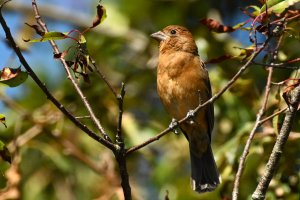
173	126
191	115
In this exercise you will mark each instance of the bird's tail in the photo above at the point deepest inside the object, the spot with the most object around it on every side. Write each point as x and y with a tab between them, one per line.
205	175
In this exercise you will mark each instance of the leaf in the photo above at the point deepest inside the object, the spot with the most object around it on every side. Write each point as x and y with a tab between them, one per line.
215	26
2	120
4	153
278	6
12	77
100	17
245	53
49	36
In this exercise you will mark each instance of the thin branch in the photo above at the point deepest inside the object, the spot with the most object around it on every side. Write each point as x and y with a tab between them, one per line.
277	151
119	137
239	173
278	65
273	115
103	77
69	75
31	73
211	100
121	159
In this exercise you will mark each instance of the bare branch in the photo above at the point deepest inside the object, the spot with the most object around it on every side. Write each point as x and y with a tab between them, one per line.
103	77
273	115
250	138
119	137
239	173
277	151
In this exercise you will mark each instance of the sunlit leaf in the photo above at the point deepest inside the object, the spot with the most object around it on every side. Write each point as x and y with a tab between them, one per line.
49	36
12	77
2	120
254	13
4	153
278	6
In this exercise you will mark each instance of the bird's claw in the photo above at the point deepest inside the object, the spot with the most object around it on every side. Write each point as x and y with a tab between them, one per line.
173	126
191	115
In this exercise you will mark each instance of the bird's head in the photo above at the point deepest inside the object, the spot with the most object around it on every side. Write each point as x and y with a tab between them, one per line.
175	38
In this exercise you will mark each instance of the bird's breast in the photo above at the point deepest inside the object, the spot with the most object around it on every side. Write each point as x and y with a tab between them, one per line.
180	84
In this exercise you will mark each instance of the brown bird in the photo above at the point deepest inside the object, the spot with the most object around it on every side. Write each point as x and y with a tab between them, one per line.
183	84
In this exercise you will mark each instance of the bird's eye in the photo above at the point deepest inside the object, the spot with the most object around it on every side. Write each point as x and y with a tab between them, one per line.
173	32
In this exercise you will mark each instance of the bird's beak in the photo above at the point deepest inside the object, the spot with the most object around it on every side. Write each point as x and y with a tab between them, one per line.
159	36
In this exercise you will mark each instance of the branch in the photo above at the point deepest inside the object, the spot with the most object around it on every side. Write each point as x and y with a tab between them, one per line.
277	151
278	65
31	73
273	115
119	137
103	77
95	120
211	100
239	173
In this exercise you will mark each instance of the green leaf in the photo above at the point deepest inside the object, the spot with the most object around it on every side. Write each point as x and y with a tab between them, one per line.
12	77
4	153
49	36
2	120
278	6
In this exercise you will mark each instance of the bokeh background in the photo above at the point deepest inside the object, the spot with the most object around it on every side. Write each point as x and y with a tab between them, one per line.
58	161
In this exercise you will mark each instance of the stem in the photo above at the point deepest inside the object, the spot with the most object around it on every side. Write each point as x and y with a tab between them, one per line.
277	151
121	160
120	98
239	173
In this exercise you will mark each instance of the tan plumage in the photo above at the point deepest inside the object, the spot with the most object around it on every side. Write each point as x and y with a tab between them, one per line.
182	84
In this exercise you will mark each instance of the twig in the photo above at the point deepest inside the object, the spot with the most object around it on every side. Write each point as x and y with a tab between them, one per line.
239	173
45	89
211	100
69	76
119	136
103	77
277	65
25	137
277	151
273	115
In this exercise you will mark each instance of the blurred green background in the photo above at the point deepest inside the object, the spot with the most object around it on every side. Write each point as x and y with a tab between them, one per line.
55	160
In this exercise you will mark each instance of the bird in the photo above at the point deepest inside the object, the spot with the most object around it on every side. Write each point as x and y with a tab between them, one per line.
183	84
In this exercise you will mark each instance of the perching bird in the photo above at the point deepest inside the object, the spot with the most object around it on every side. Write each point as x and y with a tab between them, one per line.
183	84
